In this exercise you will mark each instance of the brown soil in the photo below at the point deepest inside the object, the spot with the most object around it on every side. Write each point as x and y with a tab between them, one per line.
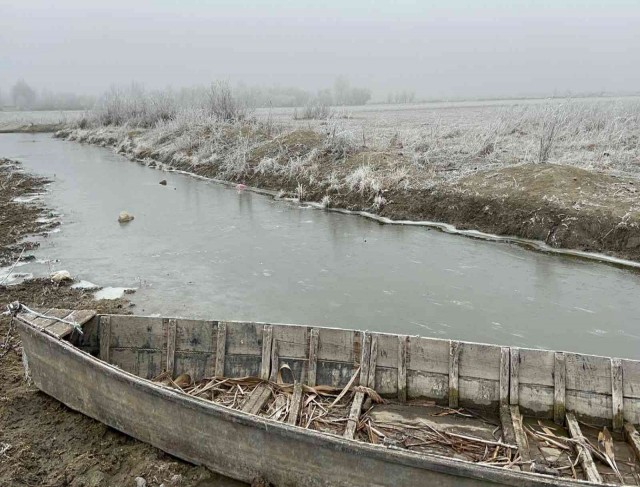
42	442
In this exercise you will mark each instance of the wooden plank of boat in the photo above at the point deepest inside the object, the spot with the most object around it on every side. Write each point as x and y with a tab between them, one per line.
296	404
257	399
521	437
586	460
58	322
77	318
633	438
354	415
245	444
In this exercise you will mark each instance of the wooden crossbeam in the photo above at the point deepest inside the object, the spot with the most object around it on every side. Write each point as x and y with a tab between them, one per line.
504	376
105	338
267	340
221	346
559	387
296	404
172	331
257	399
617	401
373	360
514	376
354	415
313	356
454	358
403	343
365	357
584	454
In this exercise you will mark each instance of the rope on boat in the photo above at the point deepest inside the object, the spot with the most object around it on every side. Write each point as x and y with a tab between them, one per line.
15	307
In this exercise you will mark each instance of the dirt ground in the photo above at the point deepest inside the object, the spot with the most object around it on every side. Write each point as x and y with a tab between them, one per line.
42	442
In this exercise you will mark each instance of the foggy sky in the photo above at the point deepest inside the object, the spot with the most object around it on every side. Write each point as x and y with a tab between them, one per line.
439	49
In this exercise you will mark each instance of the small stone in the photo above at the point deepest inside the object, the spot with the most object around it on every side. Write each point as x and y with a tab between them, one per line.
163	182
140	482
176	479
125	217
61	276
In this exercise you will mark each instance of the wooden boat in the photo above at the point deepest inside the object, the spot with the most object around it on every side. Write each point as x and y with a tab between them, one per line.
298	405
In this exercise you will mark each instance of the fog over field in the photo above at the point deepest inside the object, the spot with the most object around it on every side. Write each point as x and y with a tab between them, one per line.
457	49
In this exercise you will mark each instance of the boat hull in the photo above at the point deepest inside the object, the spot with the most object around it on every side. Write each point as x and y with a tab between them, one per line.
236	444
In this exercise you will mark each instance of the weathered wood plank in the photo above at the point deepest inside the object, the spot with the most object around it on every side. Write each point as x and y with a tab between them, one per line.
275	360
313	357
479	361
586	460
138	332
521	437
365	357
105	338
508	433
338	345
514	376
41	322
293	341
172	330
267	342
373	361
536	367
454	358
504	376
296	404
428	355
588	373
402	367
632	437
559	388
79	317
257	399
221	345
617	389
195	336
354	415
631	373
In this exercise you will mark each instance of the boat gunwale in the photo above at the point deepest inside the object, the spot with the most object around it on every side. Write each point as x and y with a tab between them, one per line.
423	461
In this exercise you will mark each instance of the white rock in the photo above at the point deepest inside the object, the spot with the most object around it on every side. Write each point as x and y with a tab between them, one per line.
125	217
60	276
140	482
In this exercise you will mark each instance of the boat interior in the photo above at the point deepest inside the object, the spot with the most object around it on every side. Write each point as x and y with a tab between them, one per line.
562	414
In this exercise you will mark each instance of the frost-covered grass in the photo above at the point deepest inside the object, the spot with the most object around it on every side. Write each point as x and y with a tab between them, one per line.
374	150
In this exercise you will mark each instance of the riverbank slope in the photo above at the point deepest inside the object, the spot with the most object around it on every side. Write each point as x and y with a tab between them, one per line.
563	205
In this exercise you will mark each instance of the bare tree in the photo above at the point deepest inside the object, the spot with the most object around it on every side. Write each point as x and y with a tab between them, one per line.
23	95
223	105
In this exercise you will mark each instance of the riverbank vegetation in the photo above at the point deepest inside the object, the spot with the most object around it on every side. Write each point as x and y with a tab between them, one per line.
563	172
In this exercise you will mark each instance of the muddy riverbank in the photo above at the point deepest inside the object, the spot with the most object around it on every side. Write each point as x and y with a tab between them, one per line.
42	442
562	205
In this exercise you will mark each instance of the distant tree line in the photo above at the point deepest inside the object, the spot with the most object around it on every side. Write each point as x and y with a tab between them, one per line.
340	94
23	97
399	97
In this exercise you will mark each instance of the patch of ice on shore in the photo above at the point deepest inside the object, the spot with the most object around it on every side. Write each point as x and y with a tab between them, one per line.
27	198
82	284
110	293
